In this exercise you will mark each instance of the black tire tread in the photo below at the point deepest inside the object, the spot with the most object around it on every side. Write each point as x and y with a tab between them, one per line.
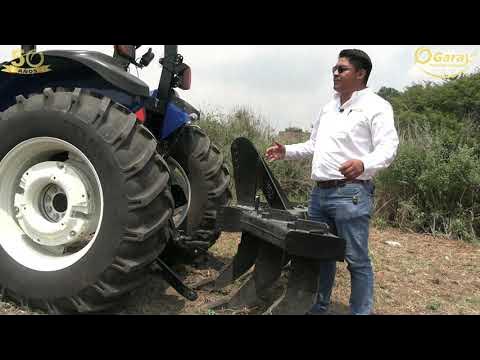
216	173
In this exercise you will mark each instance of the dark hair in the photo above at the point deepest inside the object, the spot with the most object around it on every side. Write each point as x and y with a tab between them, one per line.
359	59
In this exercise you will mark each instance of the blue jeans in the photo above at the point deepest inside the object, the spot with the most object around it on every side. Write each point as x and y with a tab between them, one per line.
347	210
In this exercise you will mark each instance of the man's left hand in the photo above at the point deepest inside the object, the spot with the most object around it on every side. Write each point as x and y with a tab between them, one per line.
352	169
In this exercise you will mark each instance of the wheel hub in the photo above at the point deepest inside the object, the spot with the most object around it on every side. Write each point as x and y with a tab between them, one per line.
53	203
53	206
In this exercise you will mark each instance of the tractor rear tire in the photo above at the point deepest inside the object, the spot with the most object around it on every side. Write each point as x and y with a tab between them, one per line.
209	180
128	214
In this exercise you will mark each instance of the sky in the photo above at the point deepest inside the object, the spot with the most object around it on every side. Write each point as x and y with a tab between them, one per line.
288	84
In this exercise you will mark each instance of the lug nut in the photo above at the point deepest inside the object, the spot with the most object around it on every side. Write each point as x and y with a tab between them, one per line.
73	233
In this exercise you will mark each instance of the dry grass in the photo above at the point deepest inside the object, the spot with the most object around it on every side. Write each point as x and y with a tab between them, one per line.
422	275
9	309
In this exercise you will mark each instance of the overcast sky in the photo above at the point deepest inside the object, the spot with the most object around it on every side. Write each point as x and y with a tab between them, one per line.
286	84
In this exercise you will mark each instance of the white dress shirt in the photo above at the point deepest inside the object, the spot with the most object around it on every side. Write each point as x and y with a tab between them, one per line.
363	128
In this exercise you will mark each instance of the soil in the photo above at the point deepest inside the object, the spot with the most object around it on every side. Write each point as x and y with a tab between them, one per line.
414	274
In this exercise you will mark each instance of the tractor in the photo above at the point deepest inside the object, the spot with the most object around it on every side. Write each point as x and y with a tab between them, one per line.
103	182
99	176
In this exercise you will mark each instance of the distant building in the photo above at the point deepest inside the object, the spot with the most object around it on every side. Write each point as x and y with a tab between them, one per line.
293	135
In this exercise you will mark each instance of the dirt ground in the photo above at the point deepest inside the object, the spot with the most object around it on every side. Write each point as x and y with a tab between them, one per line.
414	274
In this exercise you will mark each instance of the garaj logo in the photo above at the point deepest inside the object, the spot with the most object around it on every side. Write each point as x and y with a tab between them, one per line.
443	65
26	64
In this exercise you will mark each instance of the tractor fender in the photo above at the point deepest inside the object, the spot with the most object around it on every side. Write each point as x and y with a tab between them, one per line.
71	69
105	66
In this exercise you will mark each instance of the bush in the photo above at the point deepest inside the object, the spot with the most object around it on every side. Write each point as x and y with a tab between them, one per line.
433	184
223	129
430	189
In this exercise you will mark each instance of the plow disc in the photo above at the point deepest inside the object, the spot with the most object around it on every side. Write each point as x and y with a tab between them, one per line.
274	234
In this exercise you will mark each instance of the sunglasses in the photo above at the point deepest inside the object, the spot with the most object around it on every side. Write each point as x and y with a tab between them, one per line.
340	69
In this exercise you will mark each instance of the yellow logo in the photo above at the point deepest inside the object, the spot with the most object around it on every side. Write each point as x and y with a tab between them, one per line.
26	64
443	65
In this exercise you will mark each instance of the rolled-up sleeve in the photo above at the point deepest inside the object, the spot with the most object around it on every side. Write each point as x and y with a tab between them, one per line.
384	139
306	149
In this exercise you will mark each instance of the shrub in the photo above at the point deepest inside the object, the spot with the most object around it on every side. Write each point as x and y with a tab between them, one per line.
433	185
294	176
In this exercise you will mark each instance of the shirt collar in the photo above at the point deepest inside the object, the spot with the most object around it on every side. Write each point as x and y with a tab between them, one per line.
357	95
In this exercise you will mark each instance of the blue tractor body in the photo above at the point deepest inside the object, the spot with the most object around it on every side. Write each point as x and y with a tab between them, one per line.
100	74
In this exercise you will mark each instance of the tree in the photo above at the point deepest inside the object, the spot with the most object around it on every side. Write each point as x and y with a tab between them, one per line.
388	93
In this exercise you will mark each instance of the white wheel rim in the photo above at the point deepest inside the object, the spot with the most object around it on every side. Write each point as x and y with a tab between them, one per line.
50	211
180	179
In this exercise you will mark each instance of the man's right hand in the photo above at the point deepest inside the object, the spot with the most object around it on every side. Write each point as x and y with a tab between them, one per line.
275	152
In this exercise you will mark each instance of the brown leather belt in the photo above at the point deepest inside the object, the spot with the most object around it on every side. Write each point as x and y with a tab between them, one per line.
338	183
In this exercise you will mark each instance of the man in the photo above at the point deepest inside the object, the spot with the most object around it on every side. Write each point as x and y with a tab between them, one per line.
352	139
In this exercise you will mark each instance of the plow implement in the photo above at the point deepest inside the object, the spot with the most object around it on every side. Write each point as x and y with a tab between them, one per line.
276	237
